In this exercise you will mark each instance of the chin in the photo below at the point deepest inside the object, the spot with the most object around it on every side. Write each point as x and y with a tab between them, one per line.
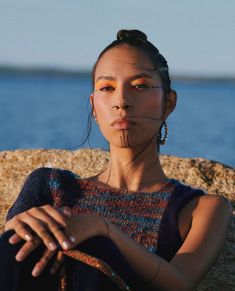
124	139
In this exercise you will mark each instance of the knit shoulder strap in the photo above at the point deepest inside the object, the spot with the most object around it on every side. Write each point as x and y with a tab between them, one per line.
169	237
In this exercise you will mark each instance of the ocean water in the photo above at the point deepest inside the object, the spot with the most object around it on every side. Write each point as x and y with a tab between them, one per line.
50	111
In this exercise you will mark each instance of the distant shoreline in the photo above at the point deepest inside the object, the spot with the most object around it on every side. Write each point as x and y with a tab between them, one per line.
35	71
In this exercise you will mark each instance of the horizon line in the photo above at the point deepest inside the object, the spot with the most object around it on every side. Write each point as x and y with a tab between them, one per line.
63	71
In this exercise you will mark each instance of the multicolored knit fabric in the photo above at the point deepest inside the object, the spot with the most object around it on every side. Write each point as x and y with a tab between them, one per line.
137	214
151	219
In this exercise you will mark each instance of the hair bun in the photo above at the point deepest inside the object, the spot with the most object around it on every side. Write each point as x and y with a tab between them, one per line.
131	34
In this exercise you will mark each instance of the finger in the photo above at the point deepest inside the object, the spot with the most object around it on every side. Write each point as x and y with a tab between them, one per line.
38	227
26	249
57	215
70	233
42	263
30	219
22	230
57	262
61	236
15	239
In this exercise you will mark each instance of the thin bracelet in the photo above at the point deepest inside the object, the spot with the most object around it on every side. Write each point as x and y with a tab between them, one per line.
107	227
155	274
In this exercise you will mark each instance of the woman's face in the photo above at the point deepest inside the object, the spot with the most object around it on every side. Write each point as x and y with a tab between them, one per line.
128	98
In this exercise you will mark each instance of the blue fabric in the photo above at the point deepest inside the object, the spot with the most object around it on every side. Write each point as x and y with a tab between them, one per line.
15	276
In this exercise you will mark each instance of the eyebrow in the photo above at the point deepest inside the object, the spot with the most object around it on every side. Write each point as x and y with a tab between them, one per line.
143	75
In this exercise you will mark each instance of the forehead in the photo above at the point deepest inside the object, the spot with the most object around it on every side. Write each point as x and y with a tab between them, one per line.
124	61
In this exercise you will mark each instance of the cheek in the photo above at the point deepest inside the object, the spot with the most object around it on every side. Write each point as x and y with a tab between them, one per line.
100	107
153	106
103	114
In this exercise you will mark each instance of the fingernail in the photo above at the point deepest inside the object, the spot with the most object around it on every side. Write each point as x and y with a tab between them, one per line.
11	241
28	237
19	257
35	272
72	238
52	246
65	245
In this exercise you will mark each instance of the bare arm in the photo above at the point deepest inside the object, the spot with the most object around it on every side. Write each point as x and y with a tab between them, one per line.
202	246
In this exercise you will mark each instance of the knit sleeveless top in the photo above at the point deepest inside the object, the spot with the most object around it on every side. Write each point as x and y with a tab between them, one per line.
150	219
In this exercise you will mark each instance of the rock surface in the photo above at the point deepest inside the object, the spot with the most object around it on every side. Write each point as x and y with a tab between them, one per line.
213	177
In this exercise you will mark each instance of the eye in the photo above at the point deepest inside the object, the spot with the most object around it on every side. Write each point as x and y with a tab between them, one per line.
140	87
106	89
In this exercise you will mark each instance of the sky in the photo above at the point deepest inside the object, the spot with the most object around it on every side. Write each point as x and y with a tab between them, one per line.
197	37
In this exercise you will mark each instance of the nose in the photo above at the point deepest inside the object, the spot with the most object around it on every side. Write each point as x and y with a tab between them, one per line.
121	100
123	106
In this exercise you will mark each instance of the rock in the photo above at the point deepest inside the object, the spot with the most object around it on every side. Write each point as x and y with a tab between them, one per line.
211	176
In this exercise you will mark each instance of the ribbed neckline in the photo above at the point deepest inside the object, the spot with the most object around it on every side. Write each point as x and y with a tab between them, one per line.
104	187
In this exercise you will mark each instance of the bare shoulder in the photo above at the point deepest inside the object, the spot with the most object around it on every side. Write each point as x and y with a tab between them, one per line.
199	206
212	203
212	214
202	205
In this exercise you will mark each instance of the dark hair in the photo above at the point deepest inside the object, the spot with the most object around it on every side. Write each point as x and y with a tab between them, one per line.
138	40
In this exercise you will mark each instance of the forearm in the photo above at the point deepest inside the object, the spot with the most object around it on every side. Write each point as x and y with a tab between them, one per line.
147	264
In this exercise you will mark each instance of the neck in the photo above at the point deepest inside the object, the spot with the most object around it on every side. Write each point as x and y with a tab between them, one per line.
134	170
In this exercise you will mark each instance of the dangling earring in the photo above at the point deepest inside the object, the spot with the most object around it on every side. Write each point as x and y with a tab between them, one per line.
159	135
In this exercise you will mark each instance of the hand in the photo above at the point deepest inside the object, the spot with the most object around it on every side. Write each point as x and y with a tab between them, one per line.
81	227
31	245
84	226
46	222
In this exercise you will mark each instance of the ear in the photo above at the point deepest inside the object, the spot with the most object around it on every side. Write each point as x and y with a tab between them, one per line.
92	106
91	100
170	104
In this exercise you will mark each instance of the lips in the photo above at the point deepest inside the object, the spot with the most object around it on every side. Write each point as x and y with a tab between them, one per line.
123	123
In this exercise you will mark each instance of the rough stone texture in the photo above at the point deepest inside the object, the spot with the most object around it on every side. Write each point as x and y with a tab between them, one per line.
211	176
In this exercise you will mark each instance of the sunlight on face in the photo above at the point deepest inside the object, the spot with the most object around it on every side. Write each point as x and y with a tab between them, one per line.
127	98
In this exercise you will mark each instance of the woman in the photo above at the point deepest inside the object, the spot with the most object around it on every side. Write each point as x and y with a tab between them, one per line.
129	227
